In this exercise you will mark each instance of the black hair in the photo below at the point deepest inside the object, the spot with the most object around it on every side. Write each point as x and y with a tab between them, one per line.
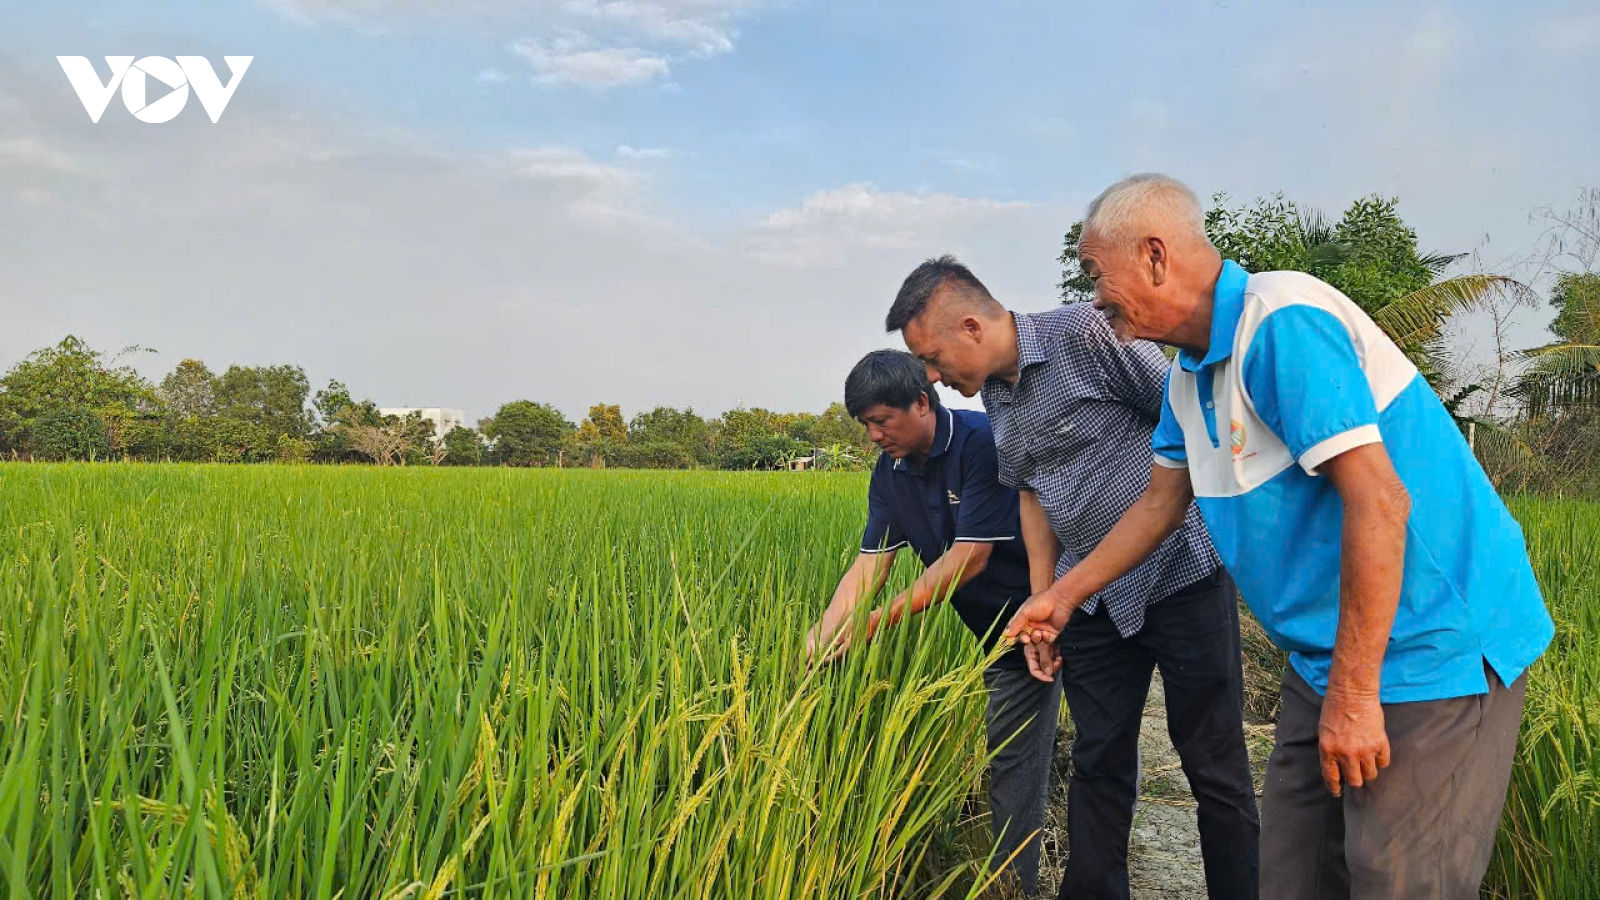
892	378
923	282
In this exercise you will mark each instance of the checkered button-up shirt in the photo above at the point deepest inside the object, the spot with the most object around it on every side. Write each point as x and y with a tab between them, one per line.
1075	429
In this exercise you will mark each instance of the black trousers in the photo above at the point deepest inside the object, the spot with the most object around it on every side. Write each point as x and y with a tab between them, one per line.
1193	637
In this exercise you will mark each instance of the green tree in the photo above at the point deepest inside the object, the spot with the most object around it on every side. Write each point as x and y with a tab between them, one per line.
418	438
600	436
69	374
240	440
525	433
835	426
755	439
70	433
1565	374
292	450
1563	380
664	424
273	397
604	424
331	403
190	390
334	408
463	447
769	450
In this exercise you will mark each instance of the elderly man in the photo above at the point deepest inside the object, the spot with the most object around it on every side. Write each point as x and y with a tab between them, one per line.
935	490
1364	536
1072	411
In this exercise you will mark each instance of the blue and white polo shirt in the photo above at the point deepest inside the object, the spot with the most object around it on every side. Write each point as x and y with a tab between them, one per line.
1297	374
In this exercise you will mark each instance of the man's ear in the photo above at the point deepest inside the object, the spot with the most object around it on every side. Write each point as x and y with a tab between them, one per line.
920	405
972	327
1156	257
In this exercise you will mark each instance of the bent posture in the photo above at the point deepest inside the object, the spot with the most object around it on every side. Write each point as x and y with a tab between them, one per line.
935	490
1364	536
1072	411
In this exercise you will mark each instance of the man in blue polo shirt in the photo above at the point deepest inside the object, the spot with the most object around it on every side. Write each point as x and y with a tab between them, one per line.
936	490
1361	531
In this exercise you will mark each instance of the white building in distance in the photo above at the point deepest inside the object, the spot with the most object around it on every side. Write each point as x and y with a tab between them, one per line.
443	419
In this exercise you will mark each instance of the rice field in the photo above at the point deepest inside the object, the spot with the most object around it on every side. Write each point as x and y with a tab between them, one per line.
351	682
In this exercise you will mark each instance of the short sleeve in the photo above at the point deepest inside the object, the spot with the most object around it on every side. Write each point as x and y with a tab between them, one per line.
1133	373
881	534
987	510
1304	377
1166	441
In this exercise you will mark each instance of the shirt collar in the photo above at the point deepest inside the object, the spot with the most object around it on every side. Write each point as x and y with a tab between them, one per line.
944	434
1227	304
1030	352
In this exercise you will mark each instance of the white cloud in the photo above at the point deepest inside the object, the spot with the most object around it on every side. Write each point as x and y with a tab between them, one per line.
703	29
832	226
28	152
573	58
596	43
566	165
626	152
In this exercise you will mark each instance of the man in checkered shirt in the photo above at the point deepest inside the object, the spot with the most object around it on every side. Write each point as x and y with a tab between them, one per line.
1072	410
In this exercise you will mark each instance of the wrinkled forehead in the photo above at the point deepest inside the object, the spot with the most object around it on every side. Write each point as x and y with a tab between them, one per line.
1093	247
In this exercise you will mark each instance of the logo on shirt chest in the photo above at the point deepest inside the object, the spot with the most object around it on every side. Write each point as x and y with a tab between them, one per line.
953	498
1236	439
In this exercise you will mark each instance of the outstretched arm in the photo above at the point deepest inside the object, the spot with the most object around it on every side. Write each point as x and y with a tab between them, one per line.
864	577
964	561
1157	513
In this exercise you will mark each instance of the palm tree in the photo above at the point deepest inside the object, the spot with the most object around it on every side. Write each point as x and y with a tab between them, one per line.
1414	321
1564	375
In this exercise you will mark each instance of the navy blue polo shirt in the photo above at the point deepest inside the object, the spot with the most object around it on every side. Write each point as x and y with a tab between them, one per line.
955	495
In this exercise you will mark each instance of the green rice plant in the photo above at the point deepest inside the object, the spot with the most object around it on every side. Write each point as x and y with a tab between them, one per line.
318	682
350	682
1549	842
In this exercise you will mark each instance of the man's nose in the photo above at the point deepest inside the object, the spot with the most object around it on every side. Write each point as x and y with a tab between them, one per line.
933	374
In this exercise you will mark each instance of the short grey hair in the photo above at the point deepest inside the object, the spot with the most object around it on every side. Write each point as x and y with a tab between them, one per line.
1140	199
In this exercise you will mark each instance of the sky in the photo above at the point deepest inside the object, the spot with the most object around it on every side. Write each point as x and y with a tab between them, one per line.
711	203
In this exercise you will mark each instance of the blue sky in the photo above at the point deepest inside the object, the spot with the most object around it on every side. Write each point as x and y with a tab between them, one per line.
711	202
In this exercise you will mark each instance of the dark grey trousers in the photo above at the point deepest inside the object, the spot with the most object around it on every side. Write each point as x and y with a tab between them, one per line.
1423	831
1022	716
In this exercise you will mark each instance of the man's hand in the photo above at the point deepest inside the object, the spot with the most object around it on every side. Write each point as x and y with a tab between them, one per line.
1351	738
823	647
830	647
1038	624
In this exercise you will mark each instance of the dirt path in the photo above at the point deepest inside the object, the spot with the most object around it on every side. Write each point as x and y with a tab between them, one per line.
1164	852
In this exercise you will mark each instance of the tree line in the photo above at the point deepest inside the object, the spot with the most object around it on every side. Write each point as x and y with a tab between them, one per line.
71	401
1532	412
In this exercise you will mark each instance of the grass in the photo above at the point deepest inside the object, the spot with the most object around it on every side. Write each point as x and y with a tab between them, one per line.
345	682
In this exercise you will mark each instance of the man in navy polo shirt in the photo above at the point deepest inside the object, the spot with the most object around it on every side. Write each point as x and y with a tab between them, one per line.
936	490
